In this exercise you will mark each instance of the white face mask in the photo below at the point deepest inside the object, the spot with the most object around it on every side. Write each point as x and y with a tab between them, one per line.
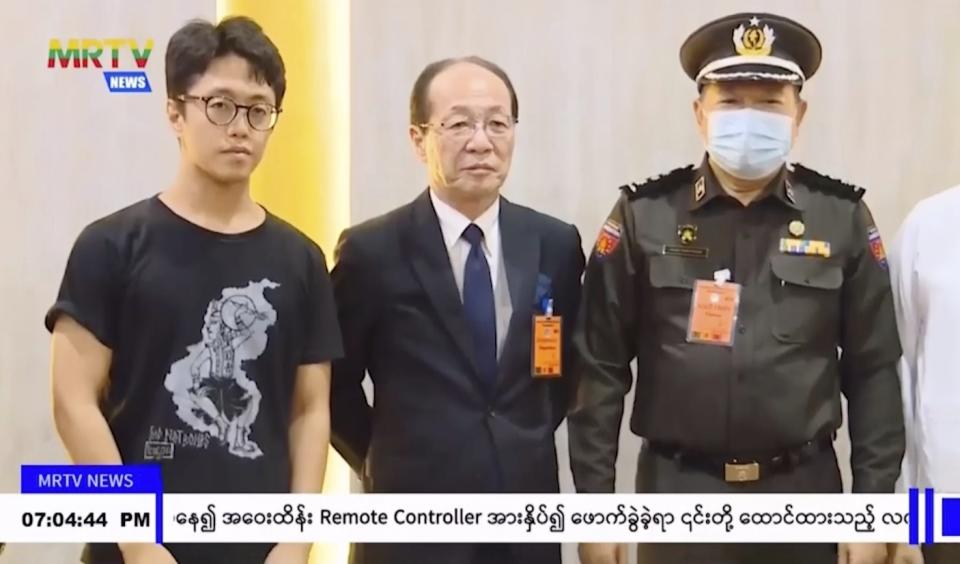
749	144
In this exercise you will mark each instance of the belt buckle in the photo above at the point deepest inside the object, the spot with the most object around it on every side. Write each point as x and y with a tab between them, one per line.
741	472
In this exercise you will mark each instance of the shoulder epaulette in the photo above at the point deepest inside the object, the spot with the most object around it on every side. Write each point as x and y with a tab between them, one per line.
657	185
822	183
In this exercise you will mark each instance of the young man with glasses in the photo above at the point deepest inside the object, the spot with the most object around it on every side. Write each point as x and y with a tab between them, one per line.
440	301
194	329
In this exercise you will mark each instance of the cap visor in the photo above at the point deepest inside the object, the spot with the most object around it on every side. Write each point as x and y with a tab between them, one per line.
767	73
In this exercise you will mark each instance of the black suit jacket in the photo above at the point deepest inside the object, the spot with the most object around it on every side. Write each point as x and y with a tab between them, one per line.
433	428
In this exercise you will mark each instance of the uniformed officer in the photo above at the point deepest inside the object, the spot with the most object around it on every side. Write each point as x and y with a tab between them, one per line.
733	284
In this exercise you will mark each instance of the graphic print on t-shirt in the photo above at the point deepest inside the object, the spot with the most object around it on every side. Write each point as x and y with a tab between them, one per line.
211	389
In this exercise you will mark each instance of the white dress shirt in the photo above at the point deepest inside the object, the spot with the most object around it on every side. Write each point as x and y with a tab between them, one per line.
452	224
925	273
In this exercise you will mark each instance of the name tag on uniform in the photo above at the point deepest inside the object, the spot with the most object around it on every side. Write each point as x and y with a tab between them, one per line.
713	312
805	247
686	252
547	355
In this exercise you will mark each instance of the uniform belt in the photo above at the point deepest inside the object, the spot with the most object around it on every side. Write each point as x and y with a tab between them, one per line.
743	468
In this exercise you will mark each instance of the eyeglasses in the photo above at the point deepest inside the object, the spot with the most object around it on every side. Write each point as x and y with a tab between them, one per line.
463	127
221	110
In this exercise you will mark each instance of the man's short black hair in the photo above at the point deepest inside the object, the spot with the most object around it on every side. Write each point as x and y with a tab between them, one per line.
195	45
419	102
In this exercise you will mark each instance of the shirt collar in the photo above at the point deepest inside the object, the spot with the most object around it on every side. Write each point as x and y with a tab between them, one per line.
706	187
452	222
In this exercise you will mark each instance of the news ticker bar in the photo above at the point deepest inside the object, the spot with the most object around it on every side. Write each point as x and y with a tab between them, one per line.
126	504
511	518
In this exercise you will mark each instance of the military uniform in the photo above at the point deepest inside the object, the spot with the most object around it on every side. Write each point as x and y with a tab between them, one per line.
754	410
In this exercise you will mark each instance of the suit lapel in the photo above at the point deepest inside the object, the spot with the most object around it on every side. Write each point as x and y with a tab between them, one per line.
521	257
431	264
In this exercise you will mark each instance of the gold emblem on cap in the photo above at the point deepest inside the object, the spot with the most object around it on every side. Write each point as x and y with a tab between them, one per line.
687	233
753	40
700	189
797	228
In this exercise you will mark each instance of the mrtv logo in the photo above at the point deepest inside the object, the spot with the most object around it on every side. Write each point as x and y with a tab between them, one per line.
115	53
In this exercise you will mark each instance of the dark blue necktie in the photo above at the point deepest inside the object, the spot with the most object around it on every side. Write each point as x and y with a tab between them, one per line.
478	305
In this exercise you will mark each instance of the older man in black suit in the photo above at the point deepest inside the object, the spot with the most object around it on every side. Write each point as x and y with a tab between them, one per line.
439	301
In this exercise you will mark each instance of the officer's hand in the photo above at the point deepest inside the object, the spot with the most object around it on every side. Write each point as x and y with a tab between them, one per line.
146	554
603	553
289	554
862	553
905	554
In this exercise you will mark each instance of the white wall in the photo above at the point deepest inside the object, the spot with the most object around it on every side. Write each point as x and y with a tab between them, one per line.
70	152
603	99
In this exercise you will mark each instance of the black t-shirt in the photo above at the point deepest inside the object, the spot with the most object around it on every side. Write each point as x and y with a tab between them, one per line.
207	331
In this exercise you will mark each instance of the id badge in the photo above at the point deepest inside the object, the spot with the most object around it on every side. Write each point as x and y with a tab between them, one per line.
713	313
547	354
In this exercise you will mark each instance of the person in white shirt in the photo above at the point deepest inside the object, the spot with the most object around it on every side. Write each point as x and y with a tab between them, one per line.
925	271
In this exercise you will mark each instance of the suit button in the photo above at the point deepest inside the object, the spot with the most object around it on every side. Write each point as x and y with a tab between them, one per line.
492	413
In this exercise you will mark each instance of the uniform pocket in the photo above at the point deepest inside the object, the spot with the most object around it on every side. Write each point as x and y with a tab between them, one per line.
807	298
671	272
671	280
